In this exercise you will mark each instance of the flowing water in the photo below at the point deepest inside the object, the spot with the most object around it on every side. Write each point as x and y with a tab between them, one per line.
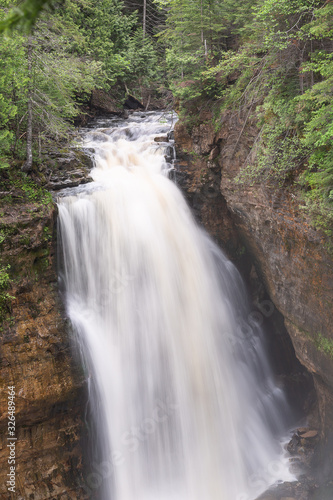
183	396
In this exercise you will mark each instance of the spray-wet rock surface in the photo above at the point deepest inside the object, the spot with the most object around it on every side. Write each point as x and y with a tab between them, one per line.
133	257
267	227
36	358
35	348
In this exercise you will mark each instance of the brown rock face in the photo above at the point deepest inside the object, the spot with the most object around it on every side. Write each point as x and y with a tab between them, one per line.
289	255
36	358
200	179
104	102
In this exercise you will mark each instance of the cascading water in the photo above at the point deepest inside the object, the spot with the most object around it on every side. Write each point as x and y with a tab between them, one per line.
182	391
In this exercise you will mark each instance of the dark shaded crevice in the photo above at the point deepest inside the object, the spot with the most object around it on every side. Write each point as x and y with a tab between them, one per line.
210	210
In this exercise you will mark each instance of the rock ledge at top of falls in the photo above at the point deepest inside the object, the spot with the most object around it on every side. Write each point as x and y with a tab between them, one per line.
290	256
113	102
66	168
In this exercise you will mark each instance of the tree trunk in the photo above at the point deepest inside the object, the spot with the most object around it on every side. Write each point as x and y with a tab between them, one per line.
28	163
144	17
39	145
201	23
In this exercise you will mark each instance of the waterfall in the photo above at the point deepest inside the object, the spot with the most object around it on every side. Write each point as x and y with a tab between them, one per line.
183	395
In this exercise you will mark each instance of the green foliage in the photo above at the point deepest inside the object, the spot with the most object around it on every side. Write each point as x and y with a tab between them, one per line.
280	70
26	14
324	345
5	297
32	192
115	39
315	106
297	114
46	234
26	191
56	77
106	34
12	80
269	58
67	52
142	59
198	32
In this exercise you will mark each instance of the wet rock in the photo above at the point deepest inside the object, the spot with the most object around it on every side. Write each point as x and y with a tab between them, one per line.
214	153
183	141
201	188
324	492
161	139
309	435
294	444
98	136
35	356
203	138
104	102
133	103
56	184
171	135
292	259
69	168
169	154
297	490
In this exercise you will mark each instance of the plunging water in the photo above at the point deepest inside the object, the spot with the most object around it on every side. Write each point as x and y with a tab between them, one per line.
184	400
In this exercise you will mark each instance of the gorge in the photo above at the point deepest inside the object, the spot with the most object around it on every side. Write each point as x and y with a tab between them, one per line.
136	359
161	318
56	416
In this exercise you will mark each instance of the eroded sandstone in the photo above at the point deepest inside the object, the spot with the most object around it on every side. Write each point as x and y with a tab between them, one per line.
267	225
36	358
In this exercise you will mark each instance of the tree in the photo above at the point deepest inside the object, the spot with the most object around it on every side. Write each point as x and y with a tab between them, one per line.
198	32
40	88
26	14
66	53
13	79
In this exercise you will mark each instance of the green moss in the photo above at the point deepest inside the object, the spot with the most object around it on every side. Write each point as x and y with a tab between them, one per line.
5	297
47	236
241	251
25	189
324	344
25	240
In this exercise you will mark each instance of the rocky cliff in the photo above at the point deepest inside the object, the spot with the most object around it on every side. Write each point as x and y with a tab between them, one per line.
265	226
36	357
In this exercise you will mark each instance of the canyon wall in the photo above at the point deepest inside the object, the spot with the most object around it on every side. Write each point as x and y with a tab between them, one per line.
266	226
36	358
262	229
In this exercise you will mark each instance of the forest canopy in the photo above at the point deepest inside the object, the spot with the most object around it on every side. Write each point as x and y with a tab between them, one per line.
271	58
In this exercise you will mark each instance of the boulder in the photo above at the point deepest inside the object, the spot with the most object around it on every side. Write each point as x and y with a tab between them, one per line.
104	103
133	103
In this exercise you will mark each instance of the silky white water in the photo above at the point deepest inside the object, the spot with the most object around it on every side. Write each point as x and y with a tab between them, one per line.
184	400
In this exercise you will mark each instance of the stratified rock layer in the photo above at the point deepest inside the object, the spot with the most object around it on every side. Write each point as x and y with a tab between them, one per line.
36	358
290	256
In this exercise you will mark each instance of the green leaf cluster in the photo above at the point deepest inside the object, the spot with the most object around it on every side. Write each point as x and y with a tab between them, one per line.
5	297
74	48
273	60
